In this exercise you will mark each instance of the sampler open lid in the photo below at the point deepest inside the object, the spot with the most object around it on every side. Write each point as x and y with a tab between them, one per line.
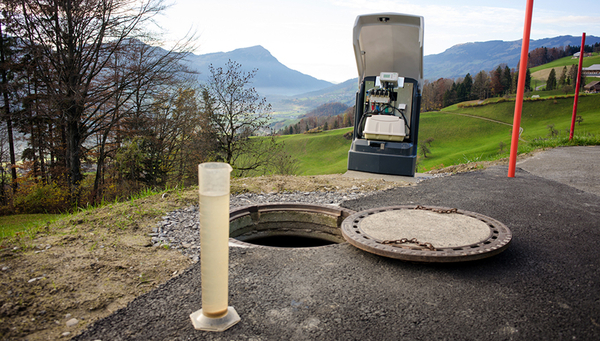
389	42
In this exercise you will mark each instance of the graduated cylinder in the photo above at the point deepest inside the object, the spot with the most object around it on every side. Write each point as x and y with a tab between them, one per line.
214	237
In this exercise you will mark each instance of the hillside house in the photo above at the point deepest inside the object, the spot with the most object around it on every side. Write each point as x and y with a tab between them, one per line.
592	87
577	54
591	71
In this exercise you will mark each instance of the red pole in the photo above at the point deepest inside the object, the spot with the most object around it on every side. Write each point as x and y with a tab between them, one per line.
581	53
520	91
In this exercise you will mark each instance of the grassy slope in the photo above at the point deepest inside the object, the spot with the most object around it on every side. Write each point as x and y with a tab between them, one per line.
535	118
322	153
568	61
9	225
457	139
538	114
541	72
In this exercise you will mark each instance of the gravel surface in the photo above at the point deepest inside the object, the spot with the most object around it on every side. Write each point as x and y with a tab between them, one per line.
180	229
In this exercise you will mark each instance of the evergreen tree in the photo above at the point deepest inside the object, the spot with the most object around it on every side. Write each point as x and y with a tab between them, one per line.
551	82
528	80
461	94
562	81
506	80
496	83
573	74
468	86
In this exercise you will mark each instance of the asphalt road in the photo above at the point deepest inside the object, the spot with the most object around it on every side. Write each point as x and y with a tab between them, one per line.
578	167
545	286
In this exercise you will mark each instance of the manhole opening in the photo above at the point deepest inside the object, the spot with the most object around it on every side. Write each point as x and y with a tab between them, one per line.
290	241
287	225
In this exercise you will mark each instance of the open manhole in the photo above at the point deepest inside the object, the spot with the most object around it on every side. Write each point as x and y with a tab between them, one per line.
287	225
426	234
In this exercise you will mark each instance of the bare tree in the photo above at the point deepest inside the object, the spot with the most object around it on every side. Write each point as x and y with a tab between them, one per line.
235	113
424	147
78	40
5	65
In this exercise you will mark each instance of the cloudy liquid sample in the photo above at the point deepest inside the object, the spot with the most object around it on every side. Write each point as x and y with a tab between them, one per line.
214	244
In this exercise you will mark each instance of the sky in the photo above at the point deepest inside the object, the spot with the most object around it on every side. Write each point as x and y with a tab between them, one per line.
315	36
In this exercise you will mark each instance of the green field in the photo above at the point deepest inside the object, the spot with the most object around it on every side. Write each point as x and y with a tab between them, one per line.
9	225
568	61
321	153
457	138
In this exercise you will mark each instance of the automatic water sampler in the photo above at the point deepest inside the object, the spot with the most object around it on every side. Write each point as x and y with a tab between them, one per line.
389	56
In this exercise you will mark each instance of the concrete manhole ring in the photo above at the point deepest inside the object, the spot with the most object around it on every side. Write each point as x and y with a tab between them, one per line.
426	234
286	225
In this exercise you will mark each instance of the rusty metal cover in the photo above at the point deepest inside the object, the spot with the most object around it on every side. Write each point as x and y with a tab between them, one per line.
426	234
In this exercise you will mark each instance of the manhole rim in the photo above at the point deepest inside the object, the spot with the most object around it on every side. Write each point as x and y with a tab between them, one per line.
239	212
497	241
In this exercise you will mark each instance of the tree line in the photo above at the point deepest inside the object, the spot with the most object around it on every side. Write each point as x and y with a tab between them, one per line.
105	111
500	81
325	117
444	92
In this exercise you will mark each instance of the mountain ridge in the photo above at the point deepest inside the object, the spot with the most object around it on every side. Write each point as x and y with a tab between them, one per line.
272	78
472	57
294	92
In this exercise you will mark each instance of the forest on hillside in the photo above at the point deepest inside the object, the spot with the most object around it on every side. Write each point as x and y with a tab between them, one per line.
105	112
501	81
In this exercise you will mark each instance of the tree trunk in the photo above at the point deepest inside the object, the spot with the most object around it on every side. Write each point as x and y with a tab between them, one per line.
11	143
100	167
41	155
73	156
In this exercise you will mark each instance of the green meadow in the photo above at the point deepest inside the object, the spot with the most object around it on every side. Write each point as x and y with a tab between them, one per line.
568	61
458	138
12	224
320	153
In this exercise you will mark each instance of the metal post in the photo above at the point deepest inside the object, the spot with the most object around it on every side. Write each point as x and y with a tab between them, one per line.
581	53
520	91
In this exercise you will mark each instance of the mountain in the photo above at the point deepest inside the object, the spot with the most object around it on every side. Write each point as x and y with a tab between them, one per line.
471	58
343	93
295	93
272	78
326	110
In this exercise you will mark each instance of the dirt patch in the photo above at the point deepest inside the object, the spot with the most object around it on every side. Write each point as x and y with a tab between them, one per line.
56	281
542	75
318	183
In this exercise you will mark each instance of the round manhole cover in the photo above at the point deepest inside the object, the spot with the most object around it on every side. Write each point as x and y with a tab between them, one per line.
426	234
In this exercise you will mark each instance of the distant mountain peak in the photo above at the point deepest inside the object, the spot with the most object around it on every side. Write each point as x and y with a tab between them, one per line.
256	52
272	77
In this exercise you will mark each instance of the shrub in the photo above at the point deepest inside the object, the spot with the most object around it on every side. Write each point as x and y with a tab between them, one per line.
38	197
313	131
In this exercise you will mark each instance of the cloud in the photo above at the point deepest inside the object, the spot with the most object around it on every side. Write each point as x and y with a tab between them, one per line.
570	20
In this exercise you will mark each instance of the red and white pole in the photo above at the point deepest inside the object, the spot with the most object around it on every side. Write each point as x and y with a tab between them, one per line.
520	90
581	53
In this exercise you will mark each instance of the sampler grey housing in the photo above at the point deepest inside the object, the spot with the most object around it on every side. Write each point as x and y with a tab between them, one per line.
389	56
